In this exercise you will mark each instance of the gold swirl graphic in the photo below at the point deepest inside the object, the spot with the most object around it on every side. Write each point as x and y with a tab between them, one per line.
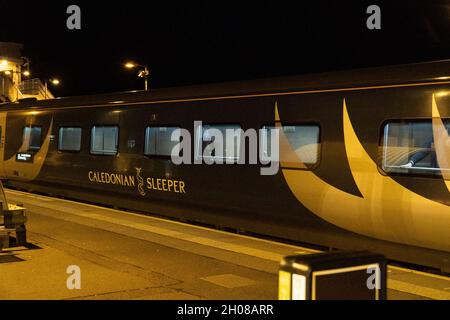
387	210
442	143
140	182
28	171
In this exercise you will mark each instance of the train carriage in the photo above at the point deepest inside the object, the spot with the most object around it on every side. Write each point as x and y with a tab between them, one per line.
364	157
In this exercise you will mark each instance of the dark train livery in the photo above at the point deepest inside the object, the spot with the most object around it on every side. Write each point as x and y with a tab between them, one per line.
365	157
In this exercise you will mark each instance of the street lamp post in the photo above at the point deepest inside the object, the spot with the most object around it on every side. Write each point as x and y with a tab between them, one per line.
144	74
141	74
53	81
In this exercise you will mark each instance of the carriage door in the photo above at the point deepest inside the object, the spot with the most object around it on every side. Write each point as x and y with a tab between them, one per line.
2	143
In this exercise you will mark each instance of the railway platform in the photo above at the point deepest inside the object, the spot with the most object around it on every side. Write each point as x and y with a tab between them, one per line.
123	255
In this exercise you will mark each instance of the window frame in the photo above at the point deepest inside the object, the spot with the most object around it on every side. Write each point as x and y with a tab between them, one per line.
81	139
104	126
382	147
309	167
201	149
157	156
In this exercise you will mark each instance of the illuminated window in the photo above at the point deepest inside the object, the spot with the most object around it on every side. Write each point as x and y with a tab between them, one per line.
409	147
229	149
104	140
32	138
158	141
304	141
69	139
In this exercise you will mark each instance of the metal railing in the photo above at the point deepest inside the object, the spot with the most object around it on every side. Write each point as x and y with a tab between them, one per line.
35	87
32	86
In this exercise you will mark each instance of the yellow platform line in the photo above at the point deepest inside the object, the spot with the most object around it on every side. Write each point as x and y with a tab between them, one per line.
417	290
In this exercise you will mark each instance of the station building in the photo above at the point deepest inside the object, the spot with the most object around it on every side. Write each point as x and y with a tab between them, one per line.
15	83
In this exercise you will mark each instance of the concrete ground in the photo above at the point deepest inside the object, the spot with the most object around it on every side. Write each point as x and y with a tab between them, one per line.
128	256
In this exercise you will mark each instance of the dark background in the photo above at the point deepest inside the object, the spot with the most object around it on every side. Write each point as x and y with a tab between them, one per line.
212	41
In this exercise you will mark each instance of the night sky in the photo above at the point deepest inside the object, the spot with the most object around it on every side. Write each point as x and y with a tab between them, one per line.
190	42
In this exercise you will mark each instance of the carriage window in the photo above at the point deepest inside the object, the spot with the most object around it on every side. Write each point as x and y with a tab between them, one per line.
69	139
304	140
411	147
226	149
104	140
32	138
158	141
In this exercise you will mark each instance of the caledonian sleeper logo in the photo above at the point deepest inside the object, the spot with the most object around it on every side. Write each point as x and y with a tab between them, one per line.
140	182
137	182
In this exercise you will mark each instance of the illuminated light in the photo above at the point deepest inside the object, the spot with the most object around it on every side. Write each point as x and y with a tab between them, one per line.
300	266
8	73
130	65
55	82
115	102
442	78
4	62
442	94
284	285
26	73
